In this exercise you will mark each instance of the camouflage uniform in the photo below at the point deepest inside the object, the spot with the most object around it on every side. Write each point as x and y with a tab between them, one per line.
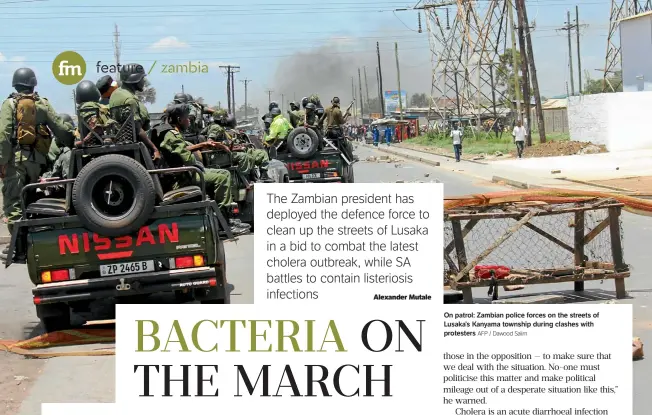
24	165
123	96
96	117
334	117
218	182
196	118
296	118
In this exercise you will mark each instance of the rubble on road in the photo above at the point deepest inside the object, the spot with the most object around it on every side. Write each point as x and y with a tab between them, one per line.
383	159
562	148
637	349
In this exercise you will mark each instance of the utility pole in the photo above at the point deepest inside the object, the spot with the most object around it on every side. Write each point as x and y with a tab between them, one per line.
282	103
535	81
269	95
524	69
355	104
246	82
366	86
230	85
116	46
380	80
398	75
234	70
360	95
183	91
380	94
568	28
579	57
517	84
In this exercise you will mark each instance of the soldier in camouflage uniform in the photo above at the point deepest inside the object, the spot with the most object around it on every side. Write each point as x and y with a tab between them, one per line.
59	154
93	115
20	166
312	120
178	153
133	80
246	160
297	117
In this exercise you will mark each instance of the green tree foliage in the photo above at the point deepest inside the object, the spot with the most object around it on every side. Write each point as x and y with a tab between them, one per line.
594	86
148	96
505	75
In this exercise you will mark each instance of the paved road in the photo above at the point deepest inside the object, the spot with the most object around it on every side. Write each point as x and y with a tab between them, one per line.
91	379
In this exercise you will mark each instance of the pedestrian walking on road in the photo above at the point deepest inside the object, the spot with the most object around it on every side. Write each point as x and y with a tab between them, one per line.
376	134
519	138
456	135
388	135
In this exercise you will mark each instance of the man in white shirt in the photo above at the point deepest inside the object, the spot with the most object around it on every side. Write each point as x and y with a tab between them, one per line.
456	135
519	138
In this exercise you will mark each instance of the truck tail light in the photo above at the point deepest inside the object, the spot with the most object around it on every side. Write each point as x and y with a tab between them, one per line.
55	276
189	261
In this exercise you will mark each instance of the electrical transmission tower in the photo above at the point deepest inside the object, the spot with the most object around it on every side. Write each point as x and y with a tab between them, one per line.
620	9
467	41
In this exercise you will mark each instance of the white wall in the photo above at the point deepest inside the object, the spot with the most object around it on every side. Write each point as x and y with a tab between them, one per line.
636	52
621	121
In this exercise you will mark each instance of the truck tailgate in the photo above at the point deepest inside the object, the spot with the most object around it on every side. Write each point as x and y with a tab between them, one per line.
76	247
324	166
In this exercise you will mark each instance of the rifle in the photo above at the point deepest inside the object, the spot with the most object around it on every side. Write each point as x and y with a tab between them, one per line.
347	113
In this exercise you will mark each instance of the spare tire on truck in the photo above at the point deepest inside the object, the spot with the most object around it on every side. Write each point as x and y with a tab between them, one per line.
113	195
303	142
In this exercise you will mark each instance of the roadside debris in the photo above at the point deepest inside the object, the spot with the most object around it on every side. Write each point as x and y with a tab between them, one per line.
426	175
20	379
382	159
498	154
562	148
555	171
637	349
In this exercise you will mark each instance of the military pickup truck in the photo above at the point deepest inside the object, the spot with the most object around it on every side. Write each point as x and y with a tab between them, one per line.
114	234
311	158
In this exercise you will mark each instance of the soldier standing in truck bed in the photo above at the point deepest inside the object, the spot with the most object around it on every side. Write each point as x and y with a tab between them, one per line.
133	80
26	123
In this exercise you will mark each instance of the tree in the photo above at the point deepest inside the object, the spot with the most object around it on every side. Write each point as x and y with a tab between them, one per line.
505	75
148	95
594	86
420	100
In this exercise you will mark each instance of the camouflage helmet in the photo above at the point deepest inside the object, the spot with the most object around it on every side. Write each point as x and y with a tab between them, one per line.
190	98
336	100
310	106
24	77
275	111
273	105
180	98
220	114
293	105
86	91
132	73
314	98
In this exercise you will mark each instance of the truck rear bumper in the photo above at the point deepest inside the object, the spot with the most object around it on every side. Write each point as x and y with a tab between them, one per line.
322	180
126	285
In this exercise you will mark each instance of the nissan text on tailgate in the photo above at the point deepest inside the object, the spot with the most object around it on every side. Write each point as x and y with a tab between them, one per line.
323	167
